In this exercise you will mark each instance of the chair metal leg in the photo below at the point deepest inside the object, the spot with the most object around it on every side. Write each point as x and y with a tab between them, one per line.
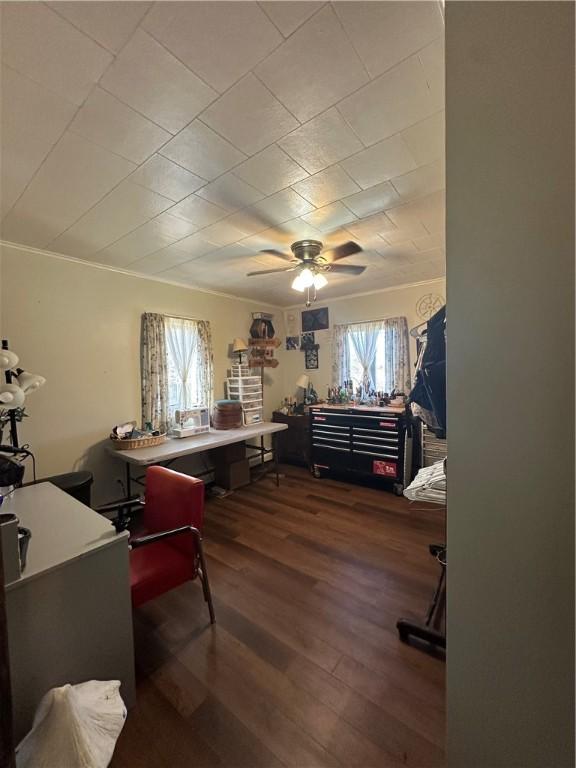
203	574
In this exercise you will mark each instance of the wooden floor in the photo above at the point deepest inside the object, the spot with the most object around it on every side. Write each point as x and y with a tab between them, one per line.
303	667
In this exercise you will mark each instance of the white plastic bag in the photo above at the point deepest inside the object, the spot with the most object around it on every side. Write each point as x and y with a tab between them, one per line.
75	726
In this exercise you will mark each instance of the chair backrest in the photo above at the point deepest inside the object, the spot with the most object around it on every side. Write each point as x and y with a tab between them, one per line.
173	500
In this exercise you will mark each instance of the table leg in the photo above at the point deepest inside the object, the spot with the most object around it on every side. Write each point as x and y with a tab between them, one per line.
275	452
261	450
128	481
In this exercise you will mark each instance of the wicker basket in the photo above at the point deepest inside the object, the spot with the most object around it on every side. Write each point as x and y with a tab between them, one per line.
138	442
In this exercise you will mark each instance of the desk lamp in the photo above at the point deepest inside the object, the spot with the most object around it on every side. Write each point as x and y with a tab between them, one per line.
239	346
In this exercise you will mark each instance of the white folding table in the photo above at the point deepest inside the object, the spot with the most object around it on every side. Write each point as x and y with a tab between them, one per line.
175	448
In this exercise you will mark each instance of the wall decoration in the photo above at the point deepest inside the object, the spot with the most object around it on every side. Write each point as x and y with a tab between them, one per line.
429	304
311	357
315	319
262	342
292	342
291	323
307	340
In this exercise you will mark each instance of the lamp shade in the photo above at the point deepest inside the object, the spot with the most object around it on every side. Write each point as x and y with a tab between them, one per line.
11	396
30	381
8	359
302	381
239	345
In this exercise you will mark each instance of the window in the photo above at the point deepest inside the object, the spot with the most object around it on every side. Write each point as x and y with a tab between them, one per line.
189	364
374	355
380	376
176	367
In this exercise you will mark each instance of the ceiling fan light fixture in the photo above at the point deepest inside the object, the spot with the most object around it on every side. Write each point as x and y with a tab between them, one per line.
297	284
307	277
319	281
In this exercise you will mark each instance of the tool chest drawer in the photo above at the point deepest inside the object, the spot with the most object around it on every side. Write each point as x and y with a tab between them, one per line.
356	441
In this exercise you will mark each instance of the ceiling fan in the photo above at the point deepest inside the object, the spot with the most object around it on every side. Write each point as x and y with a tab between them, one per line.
310	261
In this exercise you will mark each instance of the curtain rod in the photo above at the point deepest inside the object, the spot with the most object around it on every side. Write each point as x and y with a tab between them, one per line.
375	320
184	317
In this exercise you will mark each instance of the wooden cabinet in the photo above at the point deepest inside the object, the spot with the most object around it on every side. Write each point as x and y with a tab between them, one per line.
293	445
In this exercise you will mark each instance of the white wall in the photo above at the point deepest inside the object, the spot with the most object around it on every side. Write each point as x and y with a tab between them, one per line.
79	326
510	276
392	302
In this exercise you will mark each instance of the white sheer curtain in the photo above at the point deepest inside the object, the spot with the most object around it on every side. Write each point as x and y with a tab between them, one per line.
190	366
363	339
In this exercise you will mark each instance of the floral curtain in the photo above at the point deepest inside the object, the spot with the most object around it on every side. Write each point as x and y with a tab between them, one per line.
206	362
154	372
340	355
374	354
397	354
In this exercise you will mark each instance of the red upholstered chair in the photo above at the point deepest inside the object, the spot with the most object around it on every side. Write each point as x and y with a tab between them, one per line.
167	551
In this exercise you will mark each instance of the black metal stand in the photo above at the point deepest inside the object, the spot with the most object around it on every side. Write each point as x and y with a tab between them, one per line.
430	630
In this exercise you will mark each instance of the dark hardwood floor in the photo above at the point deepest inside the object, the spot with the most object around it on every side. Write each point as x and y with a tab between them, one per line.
303	667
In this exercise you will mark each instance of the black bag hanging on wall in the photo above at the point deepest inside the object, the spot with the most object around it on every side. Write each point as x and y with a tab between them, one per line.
429	390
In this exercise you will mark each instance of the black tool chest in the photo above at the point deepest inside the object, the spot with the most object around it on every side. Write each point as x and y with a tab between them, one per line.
368	442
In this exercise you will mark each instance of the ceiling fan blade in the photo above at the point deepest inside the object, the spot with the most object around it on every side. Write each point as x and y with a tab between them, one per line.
347	269
271	271
341	251
273	252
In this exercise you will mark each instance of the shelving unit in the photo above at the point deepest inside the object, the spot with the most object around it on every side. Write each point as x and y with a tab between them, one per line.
248	390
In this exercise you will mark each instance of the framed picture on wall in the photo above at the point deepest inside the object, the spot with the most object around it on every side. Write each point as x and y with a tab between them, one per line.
307	340
311	357
292	342
315	319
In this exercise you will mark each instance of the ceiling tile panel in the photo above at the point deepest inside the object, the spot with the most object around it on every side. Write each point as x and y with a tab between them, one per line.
428	242
385	33
282	206
111	124
321	142
122	210
423	181
248	221
372	225
24	139
432	58
326	186
380	162
140	242
291	14
156	263
222	233
372	200
199	211
393	102
195	246
330	217
42	45
108	23
426	139
166	178
220	42
149	79
316	67
172	226
74	176
202	151
270	170
230	192
249	116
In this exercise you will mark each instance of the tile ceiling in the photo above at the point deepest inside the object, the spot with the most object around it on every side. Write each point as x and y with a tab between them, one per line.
180	139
